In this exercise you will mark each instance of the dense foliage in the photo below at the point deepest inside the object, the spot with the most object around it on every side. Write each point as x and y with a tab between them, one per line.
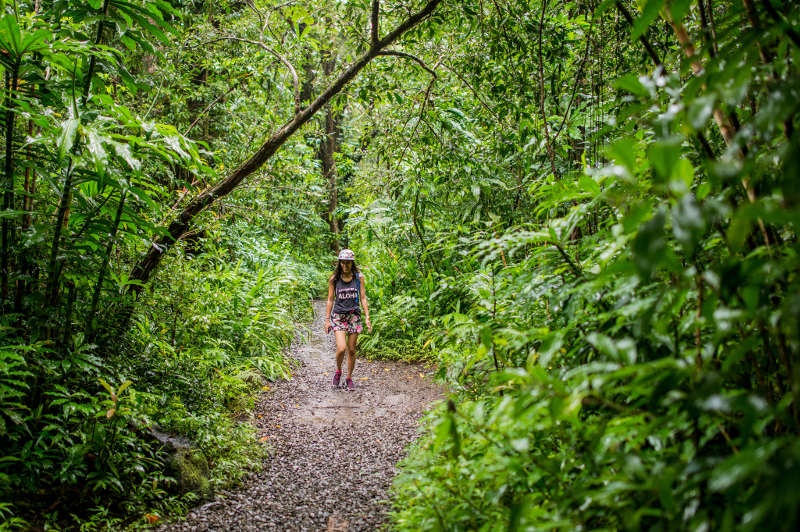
584	213
99	377
603	216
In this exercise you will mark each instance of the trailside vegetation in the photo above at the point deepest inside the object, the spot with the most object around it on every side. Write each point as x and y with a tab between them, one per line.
585	214
155	258
592	224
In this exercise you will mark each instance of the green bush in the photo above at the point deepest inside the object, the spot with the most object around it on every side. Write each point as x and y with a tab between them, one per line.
628	359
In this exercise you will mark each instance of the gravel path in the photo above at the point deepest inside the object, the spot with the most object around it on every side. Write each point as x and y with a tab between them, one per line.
334	451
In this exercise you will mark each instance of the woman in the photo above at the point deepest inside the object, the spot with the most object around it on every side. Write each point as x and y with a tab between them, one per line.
346	298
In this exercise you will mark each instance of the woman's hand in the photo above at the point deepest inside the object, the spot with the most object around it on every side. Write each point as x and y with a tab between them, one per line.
328	326
369	324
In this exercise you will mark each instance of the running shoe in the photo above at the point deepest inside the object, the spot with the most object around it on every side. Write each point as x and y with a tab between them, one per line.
336	378
350	385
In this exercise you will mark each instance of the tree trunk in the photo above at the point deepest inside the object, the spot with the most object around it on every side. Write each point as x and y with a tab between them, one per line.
11	82
327	150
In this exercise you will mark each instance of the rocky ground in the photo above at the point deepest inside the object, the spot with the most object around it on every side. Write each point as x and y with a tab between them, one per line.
334	451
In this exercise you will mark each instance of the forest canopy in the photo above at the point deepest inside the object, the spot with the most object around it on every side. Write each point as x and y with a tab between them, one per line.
583	214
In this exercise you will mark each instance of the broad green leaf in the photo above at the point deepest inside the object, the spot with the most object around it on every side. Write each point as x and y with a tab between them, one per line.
688	223
124	151
66	140
743	467
589	185
637	214
649	245
623	152
10	35
703	189
124	386
622	350
96	148
550	347
664	155
633	84
35	41
740	227
700	111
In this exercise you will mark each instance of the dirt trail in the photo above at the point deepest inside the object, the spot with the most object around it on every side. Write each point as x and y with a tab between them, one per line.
334	451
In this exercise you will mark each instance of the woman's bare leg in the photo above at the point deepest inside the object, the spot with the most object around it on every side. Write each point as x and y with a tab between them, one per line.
341	347
352	342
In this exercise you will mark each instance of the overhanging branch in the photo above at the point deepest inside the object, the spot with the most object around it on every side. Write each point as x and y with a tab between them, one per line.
417	60
284	61
143	270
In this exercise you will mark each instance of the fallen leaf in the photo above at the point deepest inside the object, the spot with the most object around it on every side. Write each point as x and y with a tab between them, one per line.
262	439
152	518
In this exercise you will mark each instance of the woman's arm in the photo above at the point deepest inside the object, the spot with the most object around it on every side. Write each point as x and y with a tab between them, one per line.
364	304
329	305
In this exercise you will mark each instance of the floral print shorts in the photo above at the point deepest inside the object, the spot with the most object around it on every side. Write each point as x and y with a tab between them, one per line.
349	322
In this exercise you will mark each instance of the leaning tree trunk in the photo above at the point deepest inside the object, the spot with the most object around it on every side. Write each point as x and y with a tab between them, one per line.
143	270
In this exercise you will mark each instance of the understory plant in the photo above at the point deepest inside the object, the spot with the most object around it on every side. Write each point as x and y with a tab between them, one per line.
186	377
628	358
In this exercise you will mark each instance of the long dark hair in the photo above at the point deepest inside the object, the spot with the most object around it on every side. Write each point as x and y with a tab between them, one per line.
337	274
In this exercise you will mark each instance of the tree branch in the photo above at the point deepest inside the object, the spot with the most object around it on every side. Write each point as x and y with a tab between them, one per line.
425	98
572	266
417	60
286	63
373	30
143	270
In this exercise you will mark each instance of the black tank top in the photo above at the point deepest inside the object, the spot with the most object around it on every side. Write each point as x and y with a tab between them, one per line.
346	297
